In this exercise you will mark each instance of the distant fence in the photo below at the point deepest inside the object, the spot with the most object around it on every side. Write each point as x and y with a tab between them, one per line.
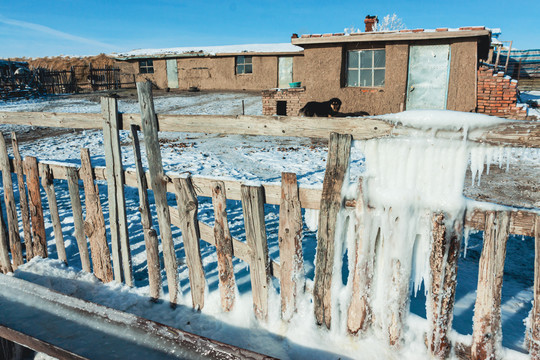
254	251
522	65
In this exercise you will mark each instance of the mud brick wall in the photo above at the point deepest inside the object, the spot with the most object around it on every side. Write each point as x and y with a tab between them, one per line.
497	95
294	97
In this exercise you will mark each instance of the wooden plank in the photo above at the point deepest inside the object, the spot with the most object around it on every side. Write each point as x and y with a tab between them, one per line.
48	184
521	222
487	309
5	261
534	339
36	209
158	181
253	209
224	247
94	224
359	312
121	253
188	205
150	235
511	133
331	201
290	245
23	199
78	222
11	210
443	263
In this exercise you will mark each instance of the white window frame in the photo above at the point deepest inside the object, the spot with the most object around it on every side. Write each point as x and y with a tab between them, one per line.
360	69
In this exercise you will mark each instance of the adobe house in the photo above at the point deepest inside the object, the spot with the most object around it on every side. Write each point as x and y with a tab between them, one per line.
235	67
388	72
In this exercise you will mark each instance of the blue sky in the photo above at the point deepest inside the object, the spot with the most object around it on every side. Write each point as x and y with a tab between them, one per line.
70	27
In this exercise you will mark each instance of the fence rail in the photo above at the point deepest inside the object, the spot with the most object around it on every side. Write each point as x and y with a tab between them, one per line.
254	251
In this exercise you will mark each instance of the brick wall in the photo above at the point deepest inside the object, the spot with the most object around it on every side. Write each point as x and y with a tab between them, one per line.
497	95
295	98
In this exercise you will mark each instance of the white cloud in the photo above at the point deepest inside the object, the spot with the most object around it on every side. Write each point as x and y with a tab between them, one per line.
55	33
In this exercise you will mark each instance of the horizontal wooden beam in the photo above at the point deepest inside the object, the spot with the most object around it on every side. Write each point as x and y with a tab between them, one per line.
511	133
521	222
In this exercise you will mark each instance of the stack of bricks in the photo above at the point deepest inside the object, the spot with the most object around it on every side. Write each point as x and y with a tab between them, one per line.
293	96
497	95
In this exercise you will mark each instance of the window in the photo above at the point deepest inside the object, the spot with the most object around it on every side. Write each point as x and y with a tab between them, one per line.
365	68
243	65
146	67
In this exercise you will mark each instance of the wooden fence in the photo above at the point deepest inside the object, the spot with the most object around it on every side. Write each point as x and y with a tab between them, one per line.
291	199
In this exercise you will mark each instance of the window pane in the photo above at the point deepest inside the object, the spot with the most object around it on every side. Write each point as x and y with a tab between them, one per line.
378	58
248	69
365	78
352	78
378	77
149	62
240	59
239	69
150	70
353	59
142	70
366	59
247	59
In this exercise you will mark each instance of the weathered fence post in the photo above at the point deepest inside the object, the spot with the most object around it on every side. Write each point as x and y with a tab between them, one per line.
159	181
290	245
359	312
224	246
150	235
186	199
23	199
94	225
5	262
121	253
9	197
78	222
47	182
253	209
331	202
443	263
36	209
534	335
487	309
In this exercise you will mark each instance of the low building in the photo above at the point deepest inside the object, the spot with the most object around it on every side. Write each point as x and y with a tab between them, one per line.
387	72
235	67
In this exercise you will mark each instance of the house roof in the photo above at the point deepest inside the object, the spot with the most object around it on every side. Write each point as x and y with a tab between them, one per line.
247	49
398	35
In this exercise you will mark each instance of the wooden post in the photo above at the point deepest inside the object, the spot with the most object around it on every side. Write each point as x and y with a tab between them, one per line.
443	263
36	210
5	262
290	245
487	309
47	182
359	313
534	336
78	222
186	199
331	202
224	246
23	199
121	253
150	235
94	225
159	181
253	209
9	197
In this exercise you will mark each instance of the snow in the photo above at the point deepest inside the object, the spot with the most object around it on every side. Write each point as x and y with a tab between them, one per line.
429	172
209	50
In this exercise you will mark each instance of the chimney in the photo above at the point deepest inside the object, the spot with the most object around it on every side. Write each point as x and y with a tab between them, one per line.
294	36
370	22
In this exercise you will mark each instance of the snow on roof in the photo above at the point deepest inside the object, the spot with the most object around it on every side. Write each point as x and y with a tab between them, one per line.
209	50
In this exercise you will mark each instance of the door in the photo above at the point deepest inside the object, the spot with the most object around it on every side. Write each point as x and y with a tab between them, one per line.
172	73
285	75
427	85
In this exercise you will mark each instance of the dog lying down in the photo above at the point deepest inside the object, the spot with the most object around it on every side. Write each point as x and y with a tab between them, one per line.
328	108
322	109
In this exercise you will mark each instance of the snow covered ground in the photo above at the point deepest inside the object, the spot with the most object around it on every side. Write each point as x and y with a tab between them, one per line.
260	159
